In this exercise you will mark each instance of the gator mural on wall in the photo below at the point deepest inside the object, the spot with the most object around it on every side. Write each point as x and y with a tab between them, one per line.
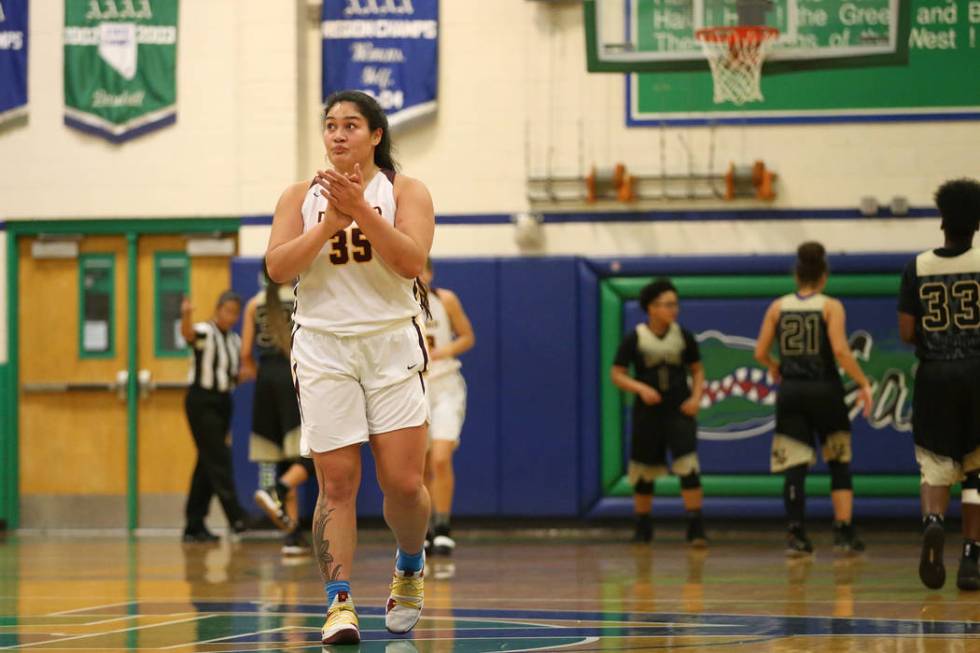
737	417
739	395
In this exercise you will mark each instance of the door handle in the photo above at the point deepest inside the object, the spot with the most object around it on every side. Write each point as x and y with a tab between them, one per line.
119	386
148	385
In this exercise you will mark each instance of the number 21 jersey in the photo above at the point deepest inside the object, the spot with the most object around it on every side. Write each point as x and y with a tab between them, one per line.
805	353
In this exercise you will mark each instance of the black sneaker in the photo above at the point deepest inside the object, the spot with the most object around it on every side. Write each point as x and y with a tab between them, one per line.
932	573
846	539
294	544
443	545
643	531
968	577
427	545
797	543
269	500
202	536
695	533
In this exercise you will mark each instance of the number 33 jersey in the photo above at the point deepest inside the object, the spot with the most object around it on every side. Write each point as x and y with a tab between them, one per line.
941	288
349	290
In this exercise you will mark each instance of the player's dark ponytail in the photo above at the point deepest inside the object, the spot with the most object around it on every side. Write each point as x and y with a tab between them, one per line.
275	314
422	294
811	263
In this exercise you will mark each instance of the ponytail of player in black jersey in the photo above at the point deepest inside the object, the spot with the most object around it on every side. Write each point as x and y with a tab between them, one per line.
811	263
275	315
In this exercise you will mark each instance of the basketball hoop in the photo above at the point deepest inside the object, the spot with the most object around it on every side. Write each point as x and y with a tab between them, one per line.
735	55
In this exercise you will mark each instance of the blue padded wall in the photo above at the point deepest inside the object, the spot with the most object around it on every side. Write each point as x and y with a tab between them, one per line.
589	483
539	389
530	443
476	460
245	274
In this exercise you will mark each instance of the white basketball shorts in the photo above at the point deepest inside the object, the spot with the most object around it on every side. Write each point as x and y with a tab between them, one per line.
447	406
352	387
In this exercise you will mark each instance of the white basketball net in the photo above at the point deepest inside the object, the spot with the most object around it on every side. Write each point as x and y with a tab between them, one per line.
735	56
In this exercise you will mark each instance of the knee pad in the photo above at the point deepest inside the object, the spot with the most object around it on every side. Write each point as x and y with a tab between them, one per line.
643	487
840	476
691	482
971	489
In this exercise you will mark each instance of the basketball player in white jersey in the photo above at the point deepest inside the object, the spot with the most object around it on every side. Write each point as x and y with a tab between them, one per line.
449	334
357	237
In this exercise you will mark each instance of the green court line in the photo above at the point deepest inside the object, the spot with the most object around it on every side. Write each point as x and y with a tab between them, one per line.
614	291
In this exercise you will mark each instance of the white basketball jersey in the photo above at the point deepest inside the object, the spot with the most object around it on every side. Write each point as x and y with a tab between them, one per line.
439	333
348	289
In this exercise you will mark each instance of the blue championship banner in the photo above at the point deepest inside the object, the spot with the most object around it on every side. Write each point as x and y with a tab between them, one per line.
120	66
13	59
386	48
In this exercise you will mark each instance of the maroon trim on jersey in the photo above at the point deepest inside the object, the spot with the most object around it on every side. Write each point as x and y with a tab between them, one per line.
390	174
422	381
425	351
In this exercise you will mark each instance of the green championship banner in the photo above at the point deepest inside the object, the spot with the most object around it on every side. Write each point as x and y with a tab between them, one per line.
120	66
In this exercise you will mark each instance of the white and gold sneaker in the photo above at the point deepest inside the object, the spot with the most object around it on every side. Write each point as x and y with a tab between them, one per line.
404	606
341	626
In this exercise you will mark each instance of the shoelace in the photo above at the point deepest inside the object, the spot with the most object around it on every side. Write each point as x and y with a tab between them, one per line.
407	590
343	612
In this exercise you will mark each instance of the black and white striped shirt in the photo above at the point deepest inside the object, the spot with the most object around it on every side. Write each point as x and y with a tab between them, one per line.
216	358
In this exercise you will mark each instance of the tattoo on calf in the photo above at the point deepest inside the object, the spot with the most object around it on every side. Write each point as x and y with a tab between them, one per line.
321	545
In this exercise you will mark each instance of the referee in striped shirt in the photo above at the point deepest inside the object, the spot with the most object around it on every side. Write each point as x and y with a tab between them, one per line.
217	352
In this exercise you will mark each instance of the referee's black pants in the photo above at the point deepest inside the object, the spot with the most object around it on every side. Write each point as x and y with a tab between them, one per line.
209	416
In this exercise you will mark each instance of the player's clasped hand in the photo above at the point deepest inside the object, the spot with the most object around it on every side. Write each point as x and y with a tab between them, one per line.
649	396
343	191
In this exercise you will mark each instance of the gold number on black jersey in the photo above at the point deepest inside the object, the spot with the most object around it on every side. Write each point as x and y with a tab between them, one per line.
967	292
799	335
935	295
340	253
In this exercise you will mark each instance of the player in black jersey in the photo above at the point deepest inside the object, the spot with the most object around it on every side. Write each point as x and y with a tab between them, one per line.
663	355
939	312
274	442
812	340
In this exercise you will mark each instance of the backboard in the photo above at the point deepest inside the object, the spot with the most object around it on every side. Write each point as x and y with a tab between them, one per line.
658	35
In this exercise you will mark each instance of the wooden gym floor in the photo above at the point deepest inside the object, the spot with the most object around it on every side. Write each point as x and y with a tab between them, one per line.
583	591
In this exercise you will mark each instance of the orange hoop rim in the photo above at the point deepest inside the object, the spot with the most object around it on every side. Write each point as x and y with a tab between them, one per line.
737	34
